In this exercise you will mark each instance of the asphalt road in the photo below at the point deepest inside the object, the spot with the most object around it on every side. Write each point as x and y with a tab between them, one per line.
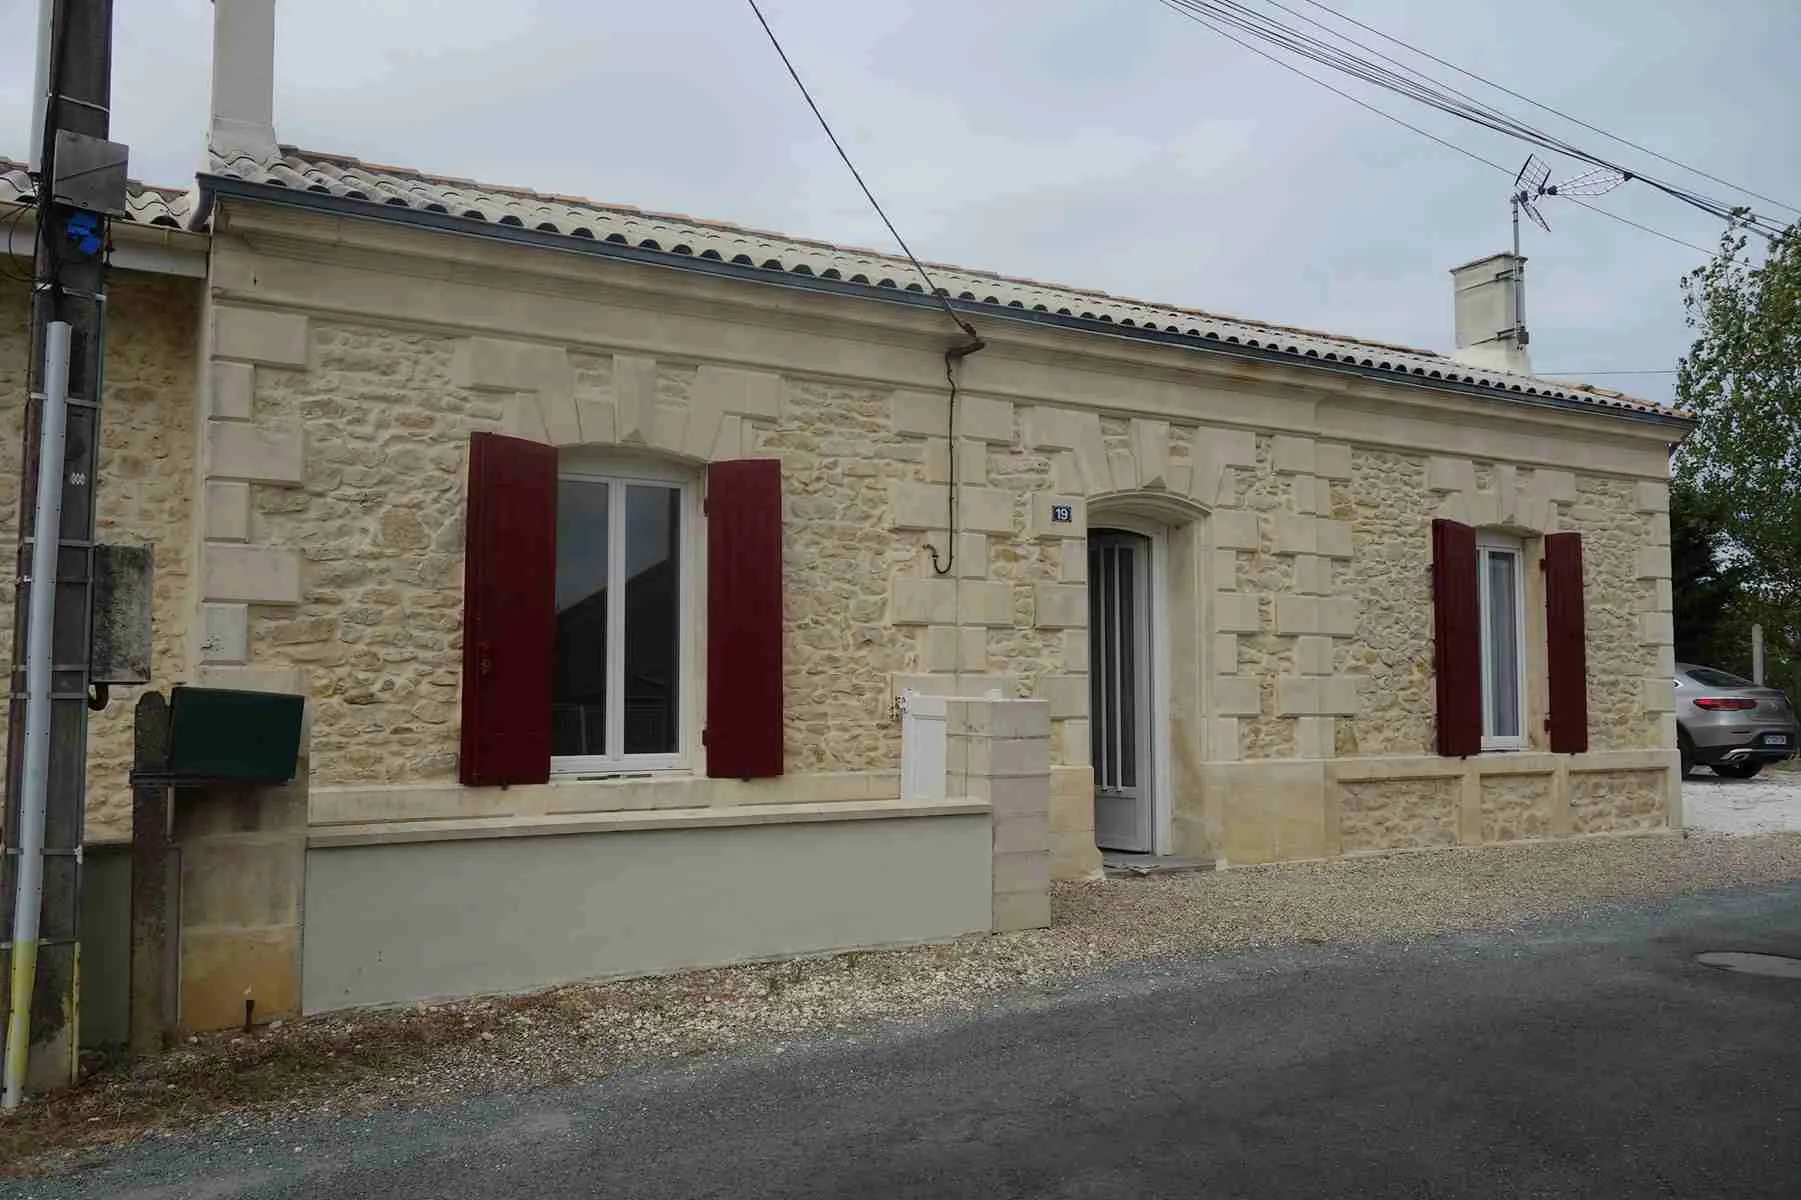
1593	1060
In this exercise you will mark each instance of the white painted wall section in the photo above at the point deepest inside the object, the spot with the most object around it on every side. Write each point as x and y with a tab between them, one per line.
392	924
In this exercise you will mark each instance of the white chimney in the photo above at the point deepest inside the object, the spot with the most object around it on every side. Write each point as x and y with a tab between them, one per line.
1490	296
243	117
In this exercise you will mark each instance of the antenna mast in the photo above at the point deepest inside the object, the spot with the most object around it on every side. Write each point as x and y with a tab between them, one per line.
1533	184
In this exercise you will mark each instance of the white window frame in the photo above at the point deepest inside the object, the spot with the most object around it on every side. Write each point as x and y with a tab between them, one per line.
618	473
1490	545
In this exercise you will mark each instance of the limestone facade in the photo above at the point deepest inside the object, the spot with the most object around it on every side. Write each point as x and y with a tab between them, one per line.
346	363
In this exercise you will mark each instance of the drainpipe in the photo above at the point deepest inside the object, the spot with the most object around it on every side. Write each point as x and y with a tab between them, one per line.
29	895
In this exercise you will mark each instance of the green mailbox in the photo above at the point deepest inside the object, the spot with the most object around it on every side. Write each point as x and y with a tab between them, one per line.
233	737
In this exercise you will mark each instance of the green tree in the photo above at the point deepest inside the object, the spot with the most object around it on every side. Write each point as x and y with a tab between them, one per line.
1742	380
1708	617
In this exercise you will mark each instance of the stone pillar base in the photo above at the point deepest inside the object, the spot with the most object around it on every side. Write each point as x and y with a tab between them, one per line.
1000	751
243	874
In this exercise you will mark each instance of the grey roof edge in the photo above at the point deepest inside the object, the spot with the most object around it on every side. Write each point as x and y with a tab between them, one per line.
1573	400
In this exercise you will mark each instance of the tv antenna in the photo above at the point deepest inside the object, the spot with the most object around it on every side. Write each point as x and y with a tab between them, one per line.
1533	184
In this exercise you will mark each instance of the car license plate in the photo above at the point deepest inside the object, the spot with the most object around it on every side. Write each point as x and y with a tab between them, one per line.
1775	739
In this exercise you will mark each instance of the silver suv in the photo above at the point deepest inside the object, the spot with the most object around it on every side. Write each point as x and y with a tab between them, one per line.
1731	724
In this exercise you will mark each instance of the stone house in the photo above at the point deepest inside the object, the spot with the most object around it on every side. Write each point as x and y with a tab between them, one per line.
1270	594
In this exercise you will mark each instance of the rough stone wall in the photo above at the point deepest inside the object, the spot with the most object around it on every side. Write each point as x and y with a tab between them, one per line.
1397	814
838	460
1391	501
1023	652
1390	512
144	495
378	523
1009	610
1616	801
344	447
1265	655
373	519
1614	533
1516	807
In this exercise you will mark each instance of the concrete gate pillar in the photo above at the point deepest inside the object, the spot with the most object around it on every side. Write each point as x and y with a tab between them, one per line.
243	875
1000	751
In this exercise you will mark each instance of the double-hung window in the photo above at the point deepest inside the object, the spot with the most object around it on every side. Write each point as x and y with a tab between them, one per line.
618	691
1501	589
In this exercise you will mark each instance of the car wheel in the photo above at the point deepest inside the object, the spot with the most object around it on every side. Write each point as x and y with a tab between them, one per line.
1688	755
1744	770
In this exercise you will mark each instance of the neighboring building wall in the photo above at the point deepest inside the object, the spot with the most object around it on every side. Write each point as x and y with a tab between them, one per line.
347	376
144	488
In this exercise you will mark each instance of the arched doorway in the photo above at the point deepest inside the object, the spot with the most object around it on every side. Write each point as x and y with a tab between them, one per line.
1148	563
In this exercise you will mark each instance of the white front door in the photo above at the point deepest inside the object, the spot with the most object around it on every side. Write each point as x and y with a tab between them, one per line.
1119	675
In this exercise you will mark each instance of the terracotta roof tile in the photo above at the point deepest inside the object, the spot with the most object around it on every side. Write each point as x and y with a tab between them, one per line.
348	178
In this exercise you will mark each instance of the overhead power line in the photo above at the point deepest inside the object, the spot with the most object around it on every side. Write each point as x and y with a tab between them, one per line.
1182	9
1657	233
1414	84
858	176
1556	112
952	356
1423	88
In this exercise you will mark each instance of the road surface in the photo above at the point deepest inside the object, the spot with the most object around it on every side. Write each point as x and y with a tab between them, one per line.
1597	1059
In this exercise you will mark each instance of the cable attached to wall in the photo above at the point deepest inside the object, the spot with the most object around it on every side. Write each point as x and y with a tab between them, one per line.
952	356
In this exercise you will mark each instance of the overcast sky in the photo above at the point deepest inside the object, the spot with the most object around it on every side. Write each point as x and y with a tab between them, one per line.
1104	143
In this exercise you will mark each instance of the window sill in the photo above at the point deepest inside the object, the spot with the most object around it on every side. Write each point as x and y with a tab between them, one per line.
631	773
389	833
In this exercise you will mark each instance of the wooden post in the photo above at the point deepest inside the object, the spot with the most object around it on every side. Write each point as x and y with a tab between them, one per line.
152	980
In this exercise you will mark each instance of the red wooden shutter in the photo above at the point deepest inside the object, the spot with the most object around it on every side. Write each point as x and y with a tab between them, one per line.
1566	646
1457	639
744	619
509	610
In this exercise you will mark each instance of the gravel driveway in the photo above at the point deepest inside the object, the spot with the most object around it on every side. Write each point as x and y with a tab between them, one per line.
1770	803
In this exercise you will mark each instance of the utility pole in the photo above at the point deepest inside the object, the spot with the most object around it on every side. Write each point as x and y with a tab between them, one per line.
80	178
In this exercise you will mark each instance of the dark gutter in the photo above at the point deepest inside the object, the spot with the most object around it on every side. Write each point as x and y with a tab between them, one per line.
212	186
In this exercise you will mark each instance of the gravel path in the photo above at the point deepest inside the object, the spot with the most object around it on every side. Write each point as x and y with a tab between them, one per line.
354	1063
1769	803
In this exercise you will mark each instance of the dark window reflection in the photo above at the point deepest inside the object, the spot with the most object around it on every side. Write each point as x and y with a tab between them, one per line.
652	611
579	695
1123	566
1097	667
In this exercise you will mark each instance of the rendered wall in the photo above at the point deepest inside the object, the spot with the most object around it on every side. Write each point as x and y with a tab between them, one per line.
392	923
